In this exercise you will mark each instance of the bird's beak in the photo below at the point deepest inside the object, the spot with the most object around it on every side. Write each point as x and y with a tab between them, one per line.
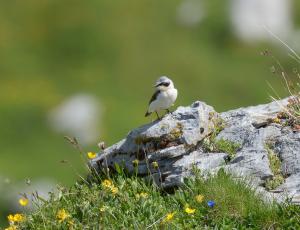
157	84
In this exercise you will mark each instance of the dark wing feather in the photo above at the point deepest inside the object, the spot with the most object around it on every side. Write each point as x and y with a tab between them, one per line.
154	96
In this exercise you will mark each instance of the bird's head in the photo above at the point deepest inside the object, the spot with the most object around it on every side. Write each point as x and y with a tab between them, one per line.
164	83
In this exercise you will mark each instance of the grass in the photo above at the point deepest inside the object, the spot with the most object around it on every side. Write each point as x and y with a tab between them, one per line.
275	166
136	204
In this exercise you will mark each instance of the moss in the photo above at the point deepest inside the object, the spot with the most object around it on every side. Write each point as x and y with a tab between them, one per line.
228	147
211	144
224	146
275	166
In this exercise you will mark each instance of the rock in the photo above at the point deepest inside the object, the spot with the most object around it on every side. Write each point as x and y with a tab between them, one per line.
291	188
288	148
203	161
171	137
177	145
251	162
184	167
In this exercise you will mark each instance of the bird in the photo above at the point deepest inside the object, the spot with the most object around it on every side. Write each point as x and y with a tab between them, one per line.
164	97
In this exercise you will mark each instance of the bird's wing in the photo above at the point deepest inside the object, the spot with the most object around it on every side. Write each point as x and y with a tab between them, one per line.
154	96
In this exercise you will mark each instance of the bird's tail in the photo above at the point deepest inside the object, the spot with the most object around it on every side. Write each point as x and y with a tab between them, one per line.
147	114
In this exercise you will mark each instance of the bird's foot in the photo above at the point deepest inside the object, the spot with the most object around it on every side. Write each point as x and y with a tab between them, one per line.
168	112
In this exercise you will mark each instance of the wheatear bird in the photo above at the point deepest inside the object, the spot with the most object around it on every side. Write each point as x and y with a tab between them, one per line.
164	96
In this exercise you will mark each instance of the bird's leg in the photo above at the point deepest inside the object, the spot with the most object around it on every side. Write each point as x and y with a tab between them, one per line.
158	118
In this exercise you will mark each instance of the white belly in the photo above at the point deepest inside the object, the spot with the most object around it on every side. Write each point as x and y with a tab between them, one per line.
164	101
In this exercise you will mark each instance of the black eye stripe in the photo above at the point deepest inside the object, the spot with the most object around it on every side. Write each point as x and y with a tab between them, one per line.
166	84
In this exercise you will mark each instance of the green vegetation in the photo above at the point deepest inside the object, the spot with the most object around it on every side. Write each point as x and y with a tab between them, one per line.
220	146
211	144
226	146
130	203
275	165
51	50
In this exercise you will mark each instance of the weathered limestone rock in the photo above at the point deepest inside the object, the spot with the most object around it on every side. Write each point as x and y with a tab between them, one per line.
177	145
251	162
162	141
288	148
291	188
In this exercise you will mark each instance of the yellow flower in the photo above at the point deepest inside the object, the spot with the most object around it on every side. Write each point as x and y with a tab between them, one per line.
107	183
62	215
169	217
142	195
12	227
135	162
16	218
114	190
199	198
10	218
189	210
276	120
23	202
91	155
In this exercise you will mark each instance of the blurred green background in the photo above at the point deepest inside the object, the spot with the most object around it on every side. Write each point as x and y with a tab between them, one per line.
113	50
